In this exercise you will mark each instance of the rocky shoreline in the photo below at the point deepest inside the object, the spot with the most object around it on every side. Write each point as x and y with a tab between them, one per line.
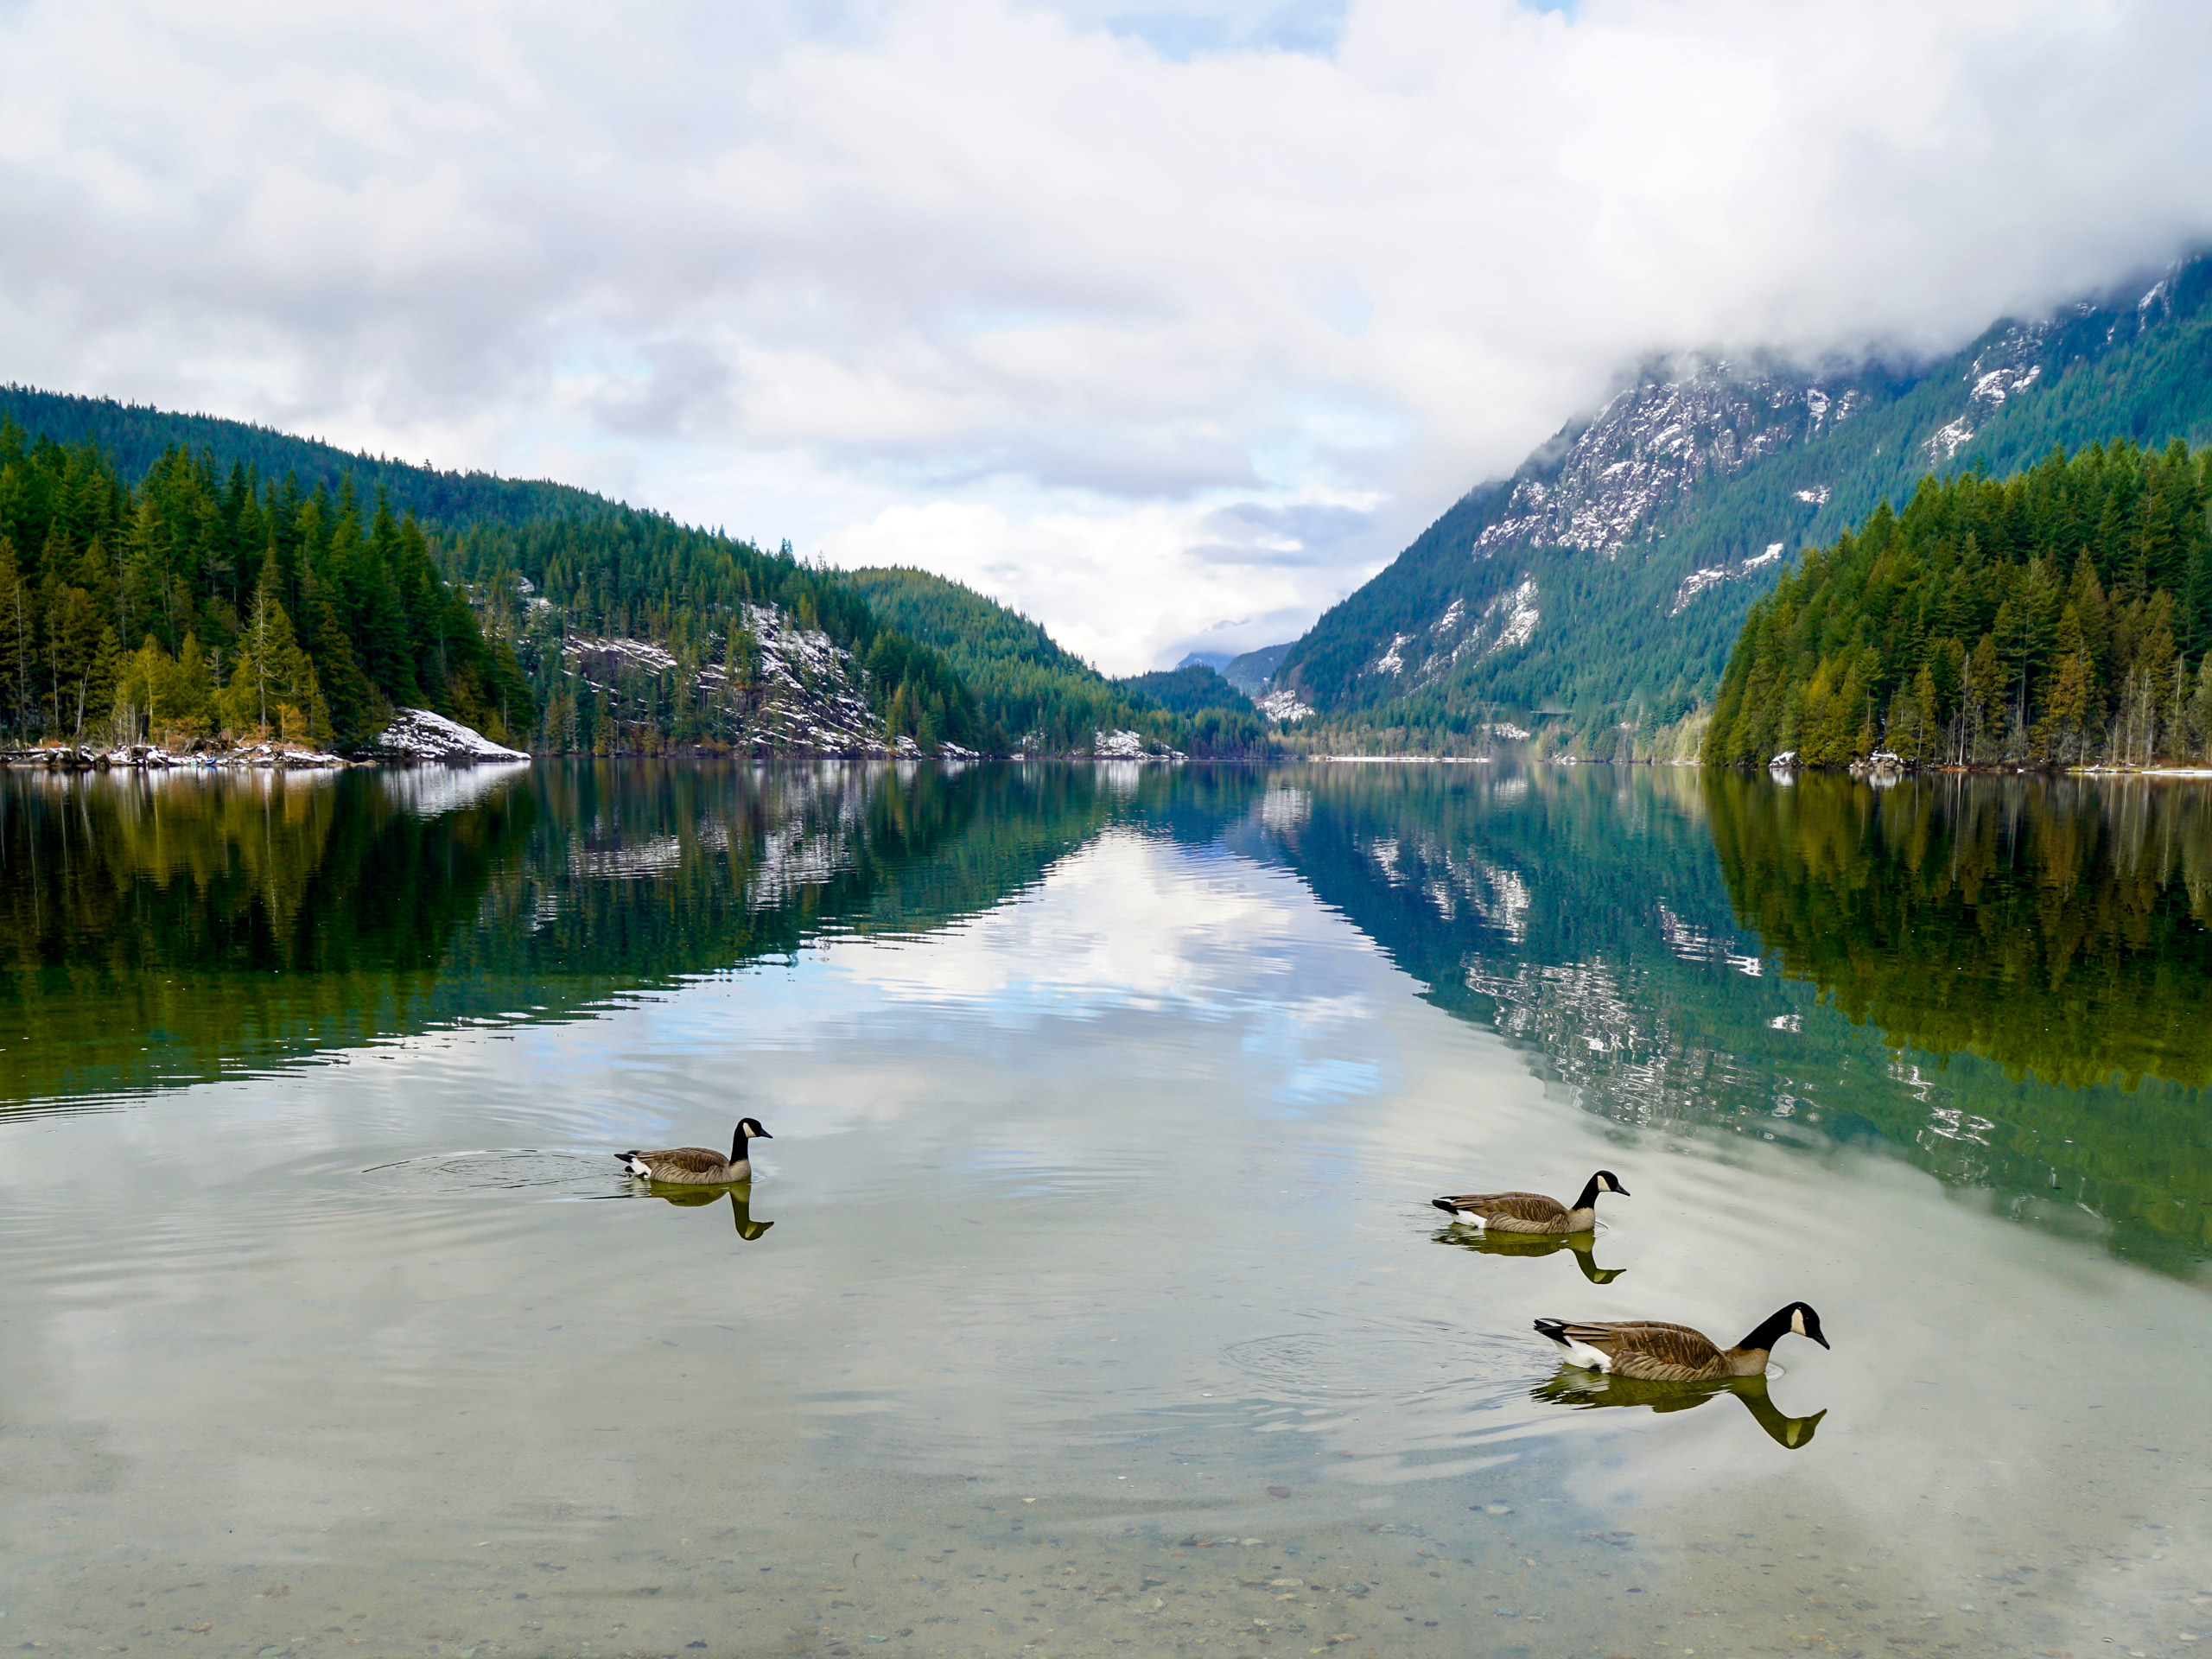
415	737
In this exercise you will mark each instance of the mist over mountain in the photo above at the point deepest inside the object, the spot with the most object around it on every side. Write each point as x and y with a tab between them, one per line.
1604	582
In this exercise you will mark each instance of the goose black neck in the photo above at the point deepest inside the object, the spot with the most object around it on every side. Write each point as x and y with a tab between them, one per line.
737	1145
1589	1198
1770	1330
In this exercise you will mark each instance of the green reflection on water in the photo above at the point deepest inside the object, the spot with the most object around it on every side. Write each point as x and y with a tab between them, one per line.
1068	1300
2057	926
172	929
2034	953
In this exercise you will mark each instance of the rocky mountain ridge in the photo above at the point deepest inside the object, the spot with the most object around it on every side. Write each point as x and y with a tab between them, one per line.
1604	580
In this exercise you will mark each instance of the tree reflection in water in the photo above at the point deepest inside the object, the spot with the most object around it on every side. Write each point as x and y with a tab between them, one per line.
2007	979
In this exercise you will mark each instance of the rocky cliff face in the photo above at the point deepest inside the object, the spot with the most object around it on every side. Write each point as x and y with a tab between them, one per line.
797	693
1680	426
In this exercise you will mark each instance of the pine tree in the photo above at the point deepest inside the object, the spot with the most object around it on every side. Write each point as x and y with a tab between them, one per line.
357	712
18	644
273	685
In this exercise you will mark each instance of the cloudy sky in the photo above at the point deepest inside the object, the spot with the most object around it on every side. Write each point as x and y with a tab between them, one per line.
1167	323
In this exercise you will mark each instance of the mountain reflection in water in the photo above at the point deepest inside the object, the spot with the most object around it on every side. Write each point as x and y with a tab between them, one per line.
2008	980
161	929
1100	1288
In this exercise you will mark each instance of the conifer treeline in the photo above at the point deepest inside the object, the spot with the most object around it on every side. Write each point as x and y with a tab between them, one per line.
201	603
619	573
2062	616
1032	694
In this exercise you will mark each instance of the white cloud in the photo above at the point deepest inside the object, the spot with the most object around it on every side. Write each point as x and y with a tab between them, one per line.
865	275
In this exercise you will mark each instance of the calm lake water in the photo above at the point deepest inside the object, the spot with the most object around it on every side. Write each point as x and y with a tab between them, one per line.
1089	1300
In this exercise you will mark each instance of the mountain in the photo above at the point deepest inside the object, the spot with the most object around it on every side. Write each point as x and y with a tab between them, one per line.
1248	672
1033	695
1251	672
1186	690
640	635
1605	580
541	613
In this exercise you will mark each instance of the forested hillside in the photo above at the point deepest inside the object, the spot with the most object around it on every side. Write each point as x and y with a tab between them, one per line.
603	628
1218	718
202	601
640	634
1032	694
135	436
2061	616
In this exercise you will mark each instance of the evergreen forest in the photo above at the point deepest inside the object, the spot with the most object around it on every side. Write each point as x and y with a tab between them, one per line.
200	601
1032	694
2062	616
568	591
175	579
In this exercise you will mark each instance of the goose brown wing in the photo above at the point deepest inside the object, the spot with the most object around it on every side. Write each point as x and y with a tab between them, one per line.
696	1159
1513	1207
1652	1349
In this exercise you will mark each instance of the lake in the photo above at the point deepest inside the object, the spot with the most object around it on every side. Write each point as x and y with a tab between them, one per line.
1088	1300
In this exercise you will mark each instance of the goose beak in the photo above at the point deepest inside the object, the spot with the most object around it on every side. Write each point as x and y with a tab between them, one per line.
1822	1340
762	1134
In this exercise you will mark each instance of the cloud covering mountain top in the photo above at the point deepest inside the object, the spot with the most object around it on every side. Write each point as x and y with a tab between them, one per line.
1165	325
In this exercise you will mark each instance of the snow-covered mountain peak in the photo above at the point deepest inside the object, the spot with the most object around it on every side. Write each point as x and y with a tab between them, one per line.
1683	423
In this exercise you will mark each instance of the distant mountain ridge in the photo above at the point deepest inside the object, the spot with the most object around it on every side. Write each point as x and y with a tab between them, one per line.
1605	580
1033	696
1248	672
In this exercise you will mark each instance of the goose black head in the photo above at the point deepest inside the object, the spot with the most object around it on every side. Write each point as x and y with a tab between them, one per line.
749	1129
1805	1322
1604	1182
1797	1318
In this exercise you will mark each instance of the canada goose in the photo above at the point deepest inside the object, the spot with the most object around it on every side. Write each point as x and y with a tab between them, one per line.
1482	1241
1586	1391
1650	1351
1531	1212
698	1166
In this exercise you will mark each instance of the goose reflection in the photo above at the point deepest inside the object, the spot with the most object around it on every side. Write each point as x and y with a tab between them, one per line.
694	1198
1486	1243
1581	1390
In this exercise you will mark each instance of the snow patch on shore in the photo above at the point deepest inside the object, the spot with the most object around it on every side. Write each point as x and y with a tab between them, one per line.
421	735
